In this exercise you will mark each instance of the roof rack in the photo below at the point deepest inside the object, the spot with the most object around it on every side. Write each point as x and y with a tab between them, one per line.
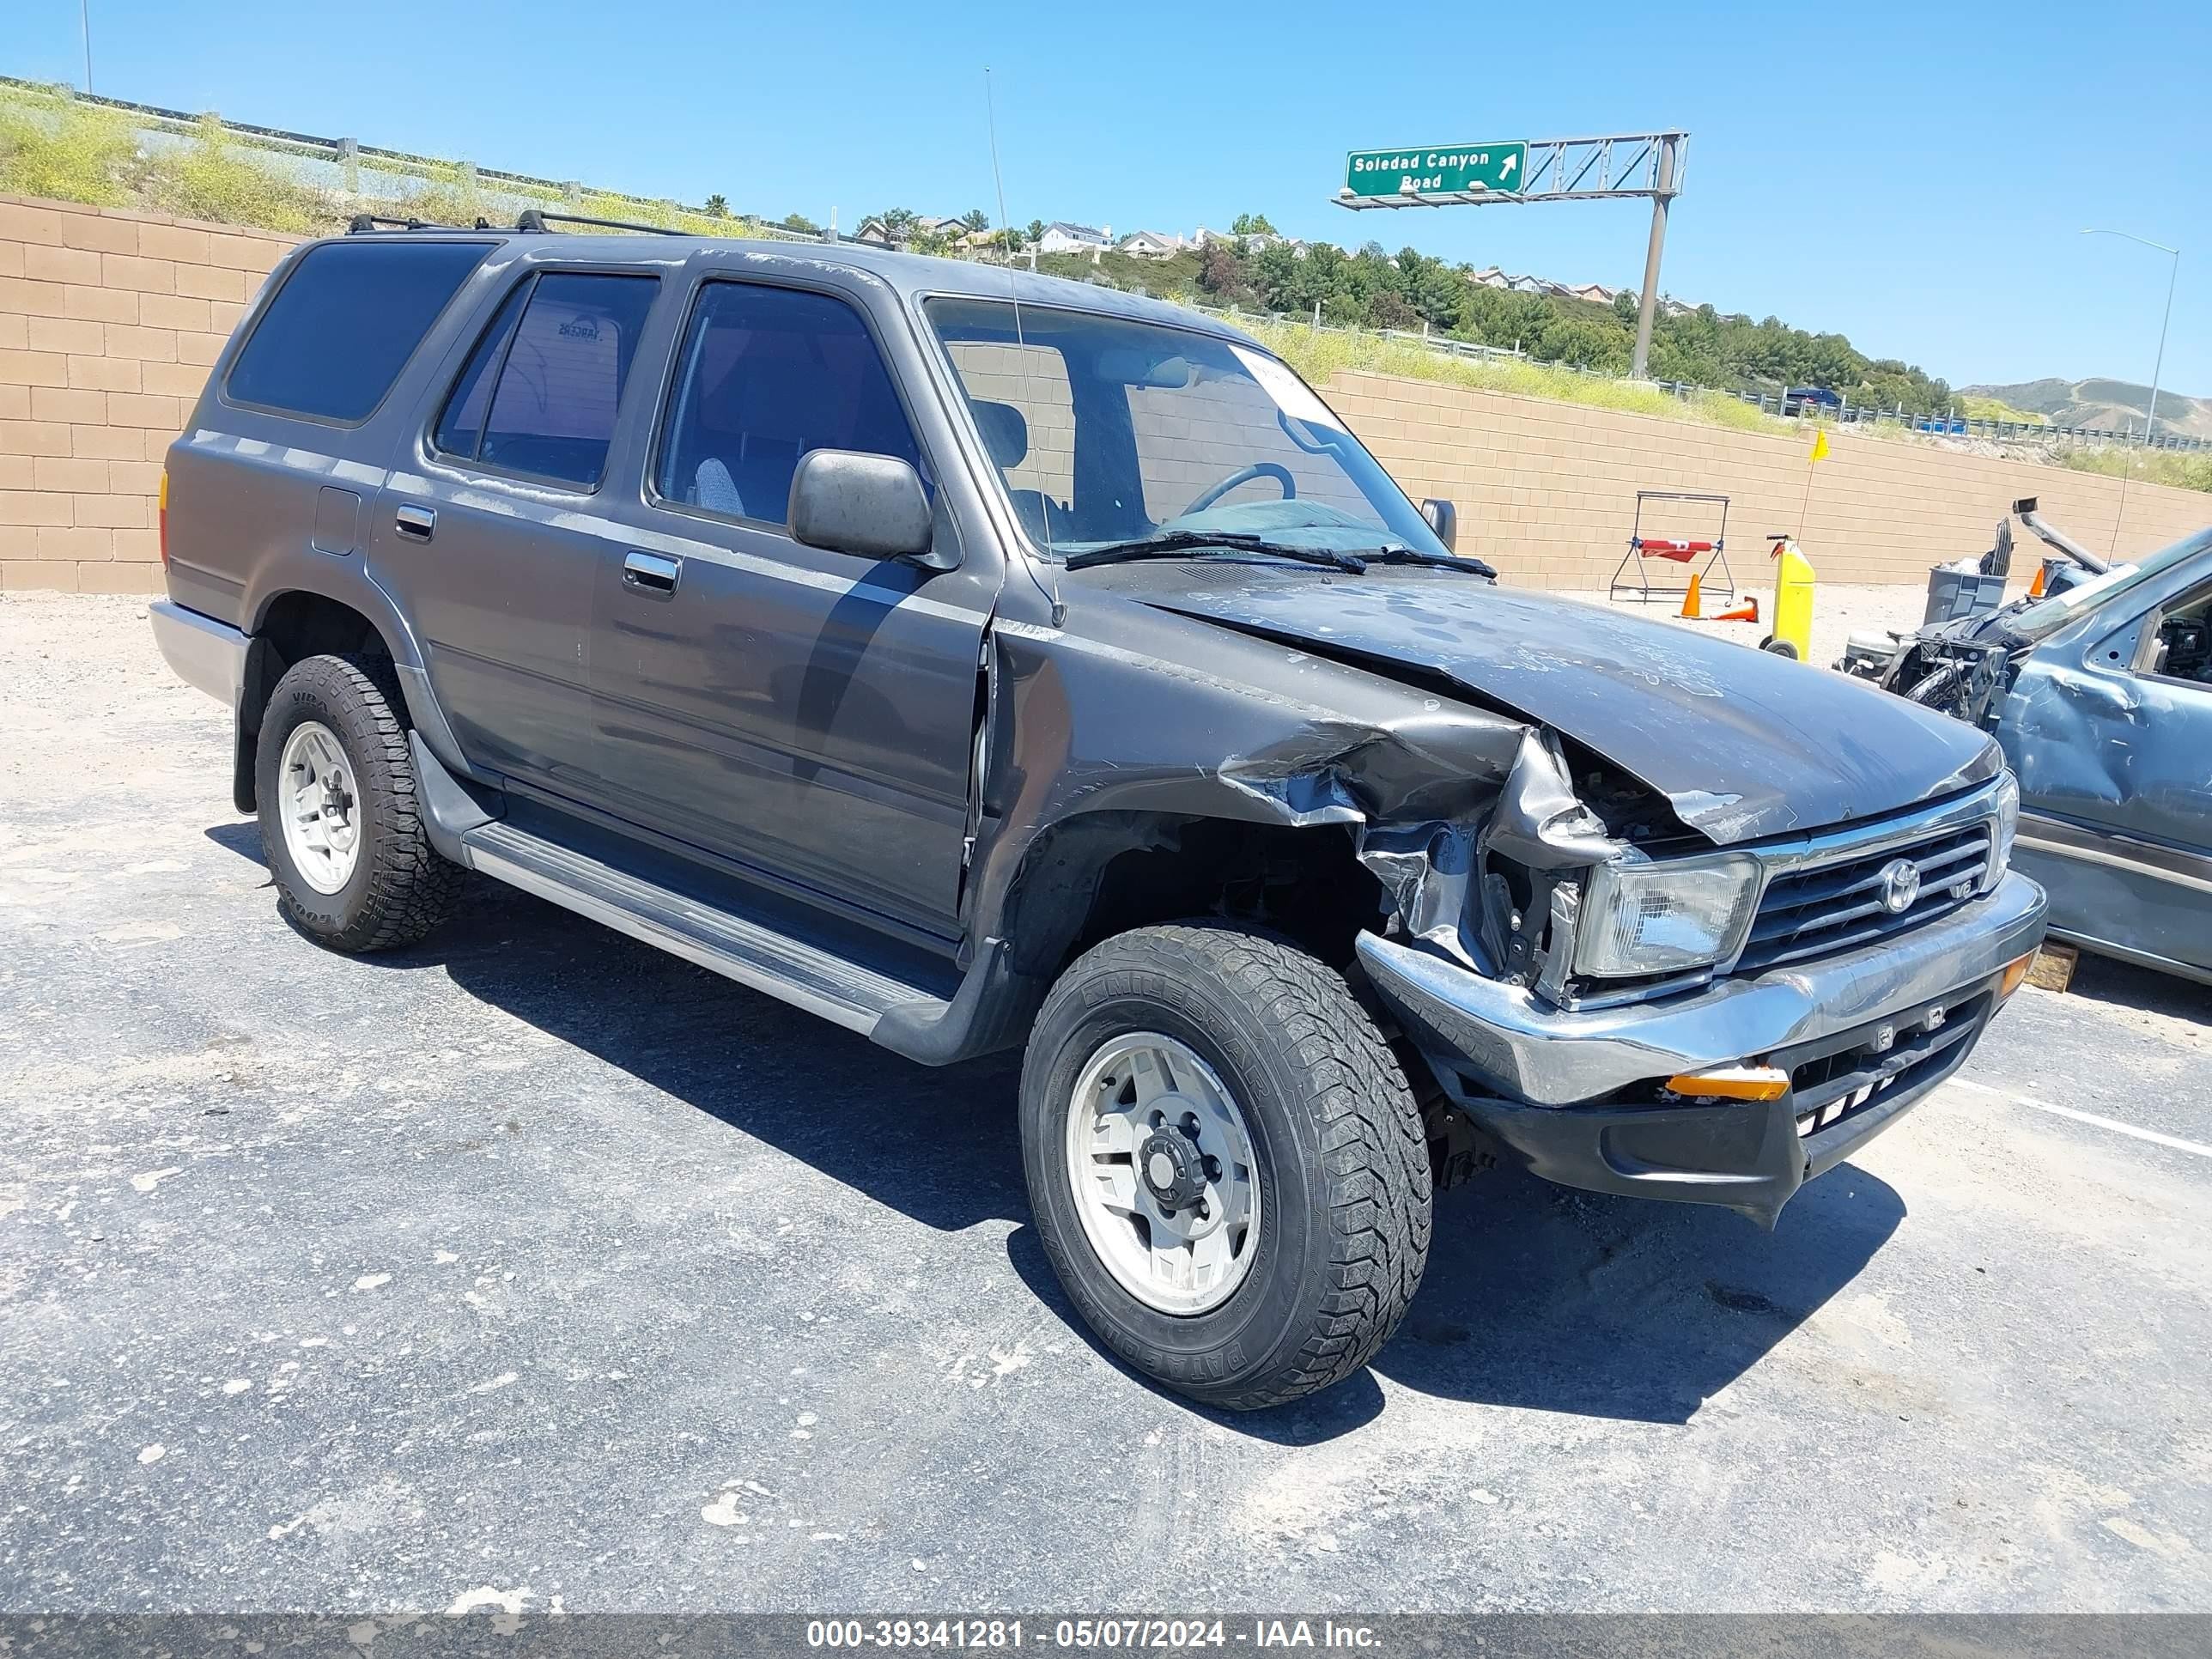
537	219
362	224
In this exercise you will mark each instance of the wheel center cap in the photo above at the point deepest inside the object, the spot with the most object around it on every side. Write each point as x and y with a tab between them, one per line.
1173	1171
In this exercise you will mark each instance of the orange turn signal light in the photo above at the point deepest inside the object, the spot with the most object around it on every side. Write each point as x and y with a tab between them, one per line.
2015	972
1733	1082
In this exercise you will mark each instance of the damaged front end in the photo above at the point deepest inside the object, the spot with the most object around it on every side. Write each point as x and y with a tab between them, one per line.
1564	934
1656	1029
1561	950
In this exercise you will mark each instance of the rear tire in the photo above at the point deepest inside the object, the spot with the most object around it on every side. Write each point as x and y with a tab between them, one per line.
332	754
1340	1214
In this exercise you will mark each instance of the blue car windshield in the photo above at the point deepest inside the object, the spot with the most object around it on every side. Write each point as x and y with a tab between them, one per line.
2046	616
1111	430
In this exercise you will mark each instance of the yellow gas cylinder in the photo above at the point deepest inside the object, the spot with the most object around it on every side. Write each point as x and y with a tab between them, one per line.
1793	601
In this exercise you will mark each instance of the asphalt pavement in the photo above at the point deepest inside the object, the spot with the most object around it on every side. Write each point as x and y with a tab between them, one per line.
532	1269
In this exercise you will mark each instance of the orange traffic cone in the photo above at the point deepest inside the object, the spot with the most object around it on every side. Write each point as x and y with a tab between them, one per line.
1747	611
2035	587
1690	601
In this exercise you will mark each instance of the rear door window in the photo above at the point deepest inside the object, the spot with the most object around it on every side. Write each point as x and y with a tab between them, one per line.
349	316
769	373
539	393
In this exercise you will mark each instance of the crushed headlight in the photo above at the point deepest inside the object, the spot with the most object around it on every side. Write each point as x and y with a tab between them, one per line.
2002	828
1663	918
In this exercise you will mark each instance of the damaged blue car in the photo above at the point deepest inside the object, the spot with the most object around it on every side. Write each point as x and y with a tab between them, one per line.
2100	694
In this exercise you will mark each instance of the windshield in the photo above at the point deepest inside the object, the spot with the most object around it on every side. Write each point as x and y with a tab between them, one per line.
2046	616
1107	431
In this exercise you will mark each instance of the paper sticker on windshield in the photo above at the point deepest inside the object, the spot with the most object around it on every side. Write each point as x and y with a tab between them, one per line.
1292	395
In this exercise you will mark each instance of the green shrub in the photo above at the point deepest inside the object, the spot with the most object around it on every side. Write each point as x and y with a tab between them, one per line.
209	177
53	146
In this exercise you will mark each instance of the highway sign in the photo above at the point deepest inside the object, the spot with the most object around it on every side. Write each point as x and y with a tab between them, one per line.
1500	168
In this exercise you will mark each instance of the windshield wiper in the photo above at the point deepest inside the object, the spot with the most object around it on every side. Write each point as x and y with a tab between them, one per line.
1174	543
1442	560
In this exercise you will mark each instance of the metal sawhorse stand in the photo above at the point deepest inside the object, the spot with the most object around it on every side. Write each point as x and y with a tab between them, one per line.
1640	586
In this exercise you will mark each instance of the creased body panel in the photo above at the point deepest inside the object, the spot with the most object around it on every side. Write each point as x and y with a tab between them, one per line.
1743	743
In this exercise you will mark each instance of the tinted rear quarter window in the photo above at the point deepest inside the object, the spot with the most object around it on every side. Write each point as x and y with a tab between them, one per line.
344	325
540	391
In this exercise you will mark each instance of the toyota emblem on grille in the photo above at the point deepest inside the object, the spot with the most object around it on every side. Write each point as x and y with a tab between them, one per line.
1900	884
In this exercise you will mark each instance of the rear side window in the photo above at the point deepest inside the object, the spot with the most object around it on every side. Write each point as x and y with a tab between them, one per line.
769	373
336	334
538	394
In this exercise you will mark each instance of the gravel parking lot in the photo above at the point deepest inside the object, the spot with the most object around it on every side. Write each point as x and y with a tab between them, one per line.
533	1268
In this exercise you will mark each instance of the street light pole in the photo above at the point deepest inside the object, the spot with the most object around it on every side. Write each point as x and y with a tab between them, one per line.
2150	416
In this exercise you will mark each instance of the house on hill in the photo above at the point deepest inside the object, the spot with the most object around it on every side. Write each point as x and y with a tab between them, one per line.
875	233
1150	245
1061	237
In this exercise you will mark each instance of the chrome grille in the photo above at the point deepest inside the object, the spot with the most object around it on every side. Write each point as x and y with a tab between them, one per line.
1837	905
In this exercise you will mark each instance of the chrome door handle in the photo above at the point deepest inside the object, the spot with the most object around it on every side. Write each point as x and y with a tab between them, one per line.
651	574
416	523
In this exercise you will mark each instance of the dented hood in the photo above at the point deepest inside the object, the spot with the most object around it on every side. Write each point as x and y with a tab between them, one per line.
1742	743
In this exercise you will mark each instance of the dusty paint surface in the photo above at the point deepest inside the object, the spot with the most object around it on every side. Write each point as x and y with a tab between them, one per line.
532	1269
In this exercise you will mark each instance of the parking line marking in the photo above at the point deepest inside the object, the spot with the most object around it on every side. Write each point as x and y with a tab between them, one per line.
2155	1136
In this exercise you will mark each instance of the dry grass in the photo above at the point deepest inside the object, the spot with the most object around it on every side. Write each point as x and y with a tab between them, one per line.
2159	466
1319	353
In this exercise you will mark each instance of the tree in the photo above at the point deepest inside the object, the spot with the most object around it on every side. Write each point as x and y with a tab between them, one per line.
1251	224
1036	231
975	219
898	221
802	224
1221	274
717	208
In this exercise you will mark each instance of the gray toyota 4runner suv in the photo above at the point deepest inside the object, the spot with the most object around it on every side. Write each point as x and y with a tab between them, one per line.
982	660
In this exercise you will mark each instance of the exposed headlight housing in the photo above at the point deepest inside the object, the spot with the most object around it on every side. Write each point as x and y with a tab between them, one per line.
2002	828
1641	918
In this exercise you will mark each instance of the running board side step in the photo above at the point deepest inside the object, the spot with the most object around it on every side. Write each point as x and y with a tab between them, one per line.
766	961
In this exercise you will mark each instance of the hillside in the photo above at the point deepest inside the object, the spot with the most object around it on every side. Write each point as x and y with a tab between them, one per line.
2107	403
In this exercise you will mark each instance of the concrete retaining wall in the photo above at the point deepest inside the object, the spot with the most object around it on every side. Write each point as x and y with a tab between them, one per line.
1546	491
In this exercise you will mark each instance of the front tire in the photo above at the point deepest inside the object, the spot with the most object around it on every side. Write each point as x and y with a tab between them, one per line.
341	824
1162	1061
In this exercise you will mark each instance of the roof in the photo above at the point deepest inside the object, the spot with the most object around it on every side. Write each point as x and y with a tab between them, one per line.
1089	232
908	274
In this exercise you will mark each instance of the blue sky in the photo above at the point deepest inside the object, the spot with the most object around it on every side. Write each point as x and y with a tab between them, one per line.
1912	175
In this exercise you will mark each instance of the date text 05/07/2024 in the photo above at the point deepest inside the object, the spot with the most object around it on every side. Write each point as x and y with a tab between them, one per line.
1086	1634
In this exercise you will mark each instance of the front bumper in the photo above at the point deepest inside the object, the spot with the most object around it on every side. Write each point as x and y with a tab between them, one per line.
1578	1096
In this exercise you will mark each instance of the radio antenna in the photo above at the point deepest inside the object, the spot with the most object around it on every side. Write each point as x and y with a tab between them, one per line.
1005	228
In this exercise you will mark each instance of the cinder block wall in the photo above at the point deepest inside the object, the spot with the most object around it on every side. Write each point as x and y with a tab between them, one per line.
109	320
1546	491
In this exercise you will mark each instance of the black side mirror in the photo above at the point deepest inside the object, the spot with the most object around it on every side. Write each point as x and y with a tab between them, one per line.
1442	518
869	504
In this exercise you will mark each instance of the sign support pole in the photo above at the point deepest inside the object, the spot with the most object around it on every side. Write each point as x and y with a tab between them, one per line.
1648	302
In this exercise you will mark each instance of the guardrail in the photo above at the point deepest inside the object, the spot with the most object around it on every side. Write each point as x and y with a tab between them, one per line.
347	167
